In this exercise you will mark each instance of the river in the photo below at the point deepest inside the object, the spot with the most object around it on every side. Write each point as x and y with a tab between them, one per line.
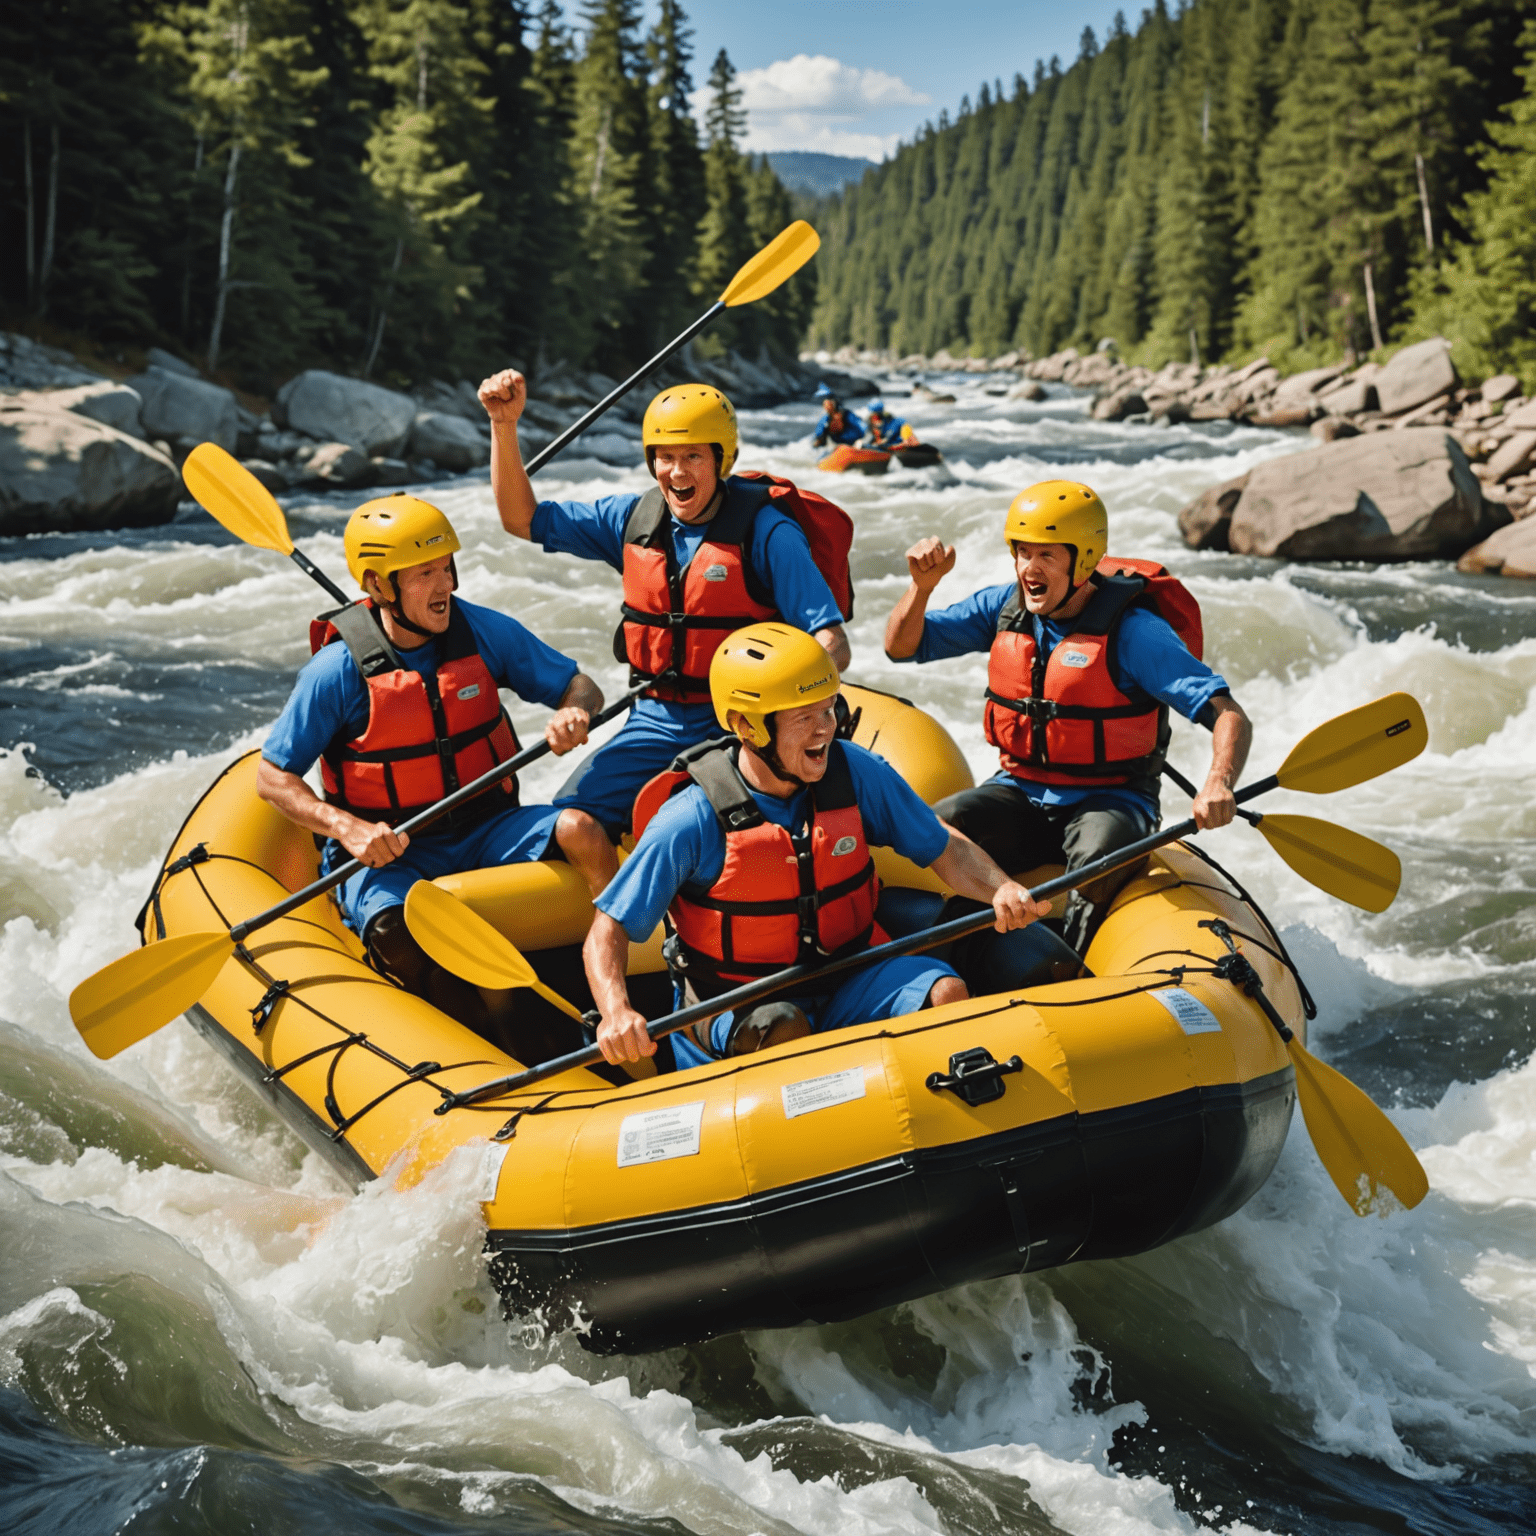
202	1331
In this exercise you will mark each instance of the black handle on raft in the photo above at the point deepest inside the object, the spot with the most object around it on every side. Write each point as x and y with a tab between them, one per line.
546	453
1234	966
426	818
975	1076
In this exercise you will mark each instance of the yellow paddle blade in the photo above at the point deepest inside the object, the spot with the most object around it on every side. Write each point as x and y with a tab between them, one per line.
1356	746
557	1000
1335	859
131	998
461	941
776	263
230	493
1362	1150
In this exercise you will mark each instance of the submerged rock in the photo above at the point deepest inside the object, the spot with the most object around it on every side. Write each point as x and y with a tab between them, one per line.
1510	551
60	471
1385	496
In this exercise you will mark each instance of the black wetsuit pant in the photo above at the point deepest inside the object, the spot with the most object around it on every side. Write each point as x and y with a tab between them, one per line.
1019	835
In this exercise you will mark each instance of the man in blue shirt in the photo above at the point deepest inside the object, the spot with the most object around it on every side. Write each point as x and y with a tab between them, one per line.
400	706
837	425
761	859
882	430
1083	669
700	554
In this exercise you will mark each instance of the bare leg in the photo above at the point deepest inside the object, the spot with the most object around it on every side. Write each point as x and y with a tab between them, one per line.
947	989
586	848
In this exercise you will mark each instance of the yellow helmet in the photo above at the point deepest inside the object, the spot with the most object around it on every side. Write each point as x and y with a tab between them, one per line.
393	533
691	413
1061	512
765	668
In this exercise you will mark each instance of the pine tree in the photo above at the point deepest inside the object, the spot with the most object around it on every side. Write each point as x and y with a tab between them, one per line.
725	241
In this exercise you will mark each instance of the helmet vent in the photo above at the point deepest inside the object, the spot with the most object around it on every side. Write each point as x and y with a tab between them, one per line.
757	655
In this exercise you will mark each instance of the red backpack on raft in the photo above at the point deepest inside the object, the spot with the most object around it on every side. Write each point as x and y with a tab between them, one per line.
827	528
1167	594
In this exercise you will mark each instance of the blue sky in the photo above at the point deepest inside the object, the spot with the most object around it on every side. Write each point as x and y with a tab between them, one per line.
852	78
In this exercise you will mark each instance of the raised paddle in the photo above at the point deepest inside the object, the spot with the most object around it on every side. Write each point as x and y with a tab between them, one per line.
233	496
774	265
482	955
1344	751
132	997
1346	864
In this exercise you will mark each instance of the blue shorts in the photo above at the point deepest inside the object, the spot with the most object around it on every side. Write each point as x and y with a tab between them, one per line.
516	836
888	989
605	785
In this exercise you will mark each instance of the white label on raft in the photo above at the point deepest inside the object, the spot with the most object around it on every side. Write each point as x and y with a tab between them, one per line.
823	1092
659	1134
490	1170
1193	1016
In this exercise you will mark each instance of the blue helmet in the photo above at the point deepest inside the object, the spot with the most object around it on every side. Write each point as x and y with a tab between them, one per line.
877	406
823	393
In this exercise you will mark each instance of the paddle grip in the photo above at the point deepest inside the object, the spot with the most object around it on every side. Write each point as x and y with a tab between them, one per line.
314	572
546	453
1189	789
425	819
753	991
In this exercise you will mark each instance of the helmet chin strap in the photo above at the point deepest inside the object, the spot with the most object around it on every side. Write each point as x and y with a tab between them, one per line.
770	755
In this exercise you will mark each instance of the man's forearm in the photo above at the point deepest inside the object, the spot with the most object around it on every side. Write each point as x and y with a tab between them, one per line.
967	870
1231	738
606	957
288	793
904	628
582	693
834	641
515	501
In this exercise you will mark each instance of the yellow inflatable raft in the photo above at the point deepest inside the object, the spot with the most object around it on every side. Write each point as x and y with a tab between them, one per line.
817	1180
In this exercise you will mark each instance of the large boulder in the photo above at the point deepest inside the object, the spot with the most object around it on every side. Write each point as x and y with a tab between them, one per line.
341	410
1207	520
186	411
1384	496
1125	401
449	441
115	405
60	471
1416	375
1509	552
28	364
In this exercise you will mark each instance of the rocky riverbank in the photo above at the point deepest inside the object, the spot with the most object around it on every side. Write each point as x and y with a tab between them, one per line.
1413	463
81	451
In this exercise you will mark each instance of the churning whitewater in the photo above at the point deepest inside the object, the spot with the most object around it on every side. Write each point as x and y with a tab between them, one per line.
198	1323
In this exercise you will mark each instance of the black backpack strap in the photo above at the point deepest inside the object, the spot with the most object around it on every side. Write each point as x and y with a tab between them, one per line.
716	773
1114	595
362	635
646	518
733	524
1011	616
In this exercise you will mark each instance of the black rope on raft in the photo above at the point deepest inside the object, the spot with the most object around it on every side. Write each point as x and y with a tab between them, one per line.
1280	952
197	855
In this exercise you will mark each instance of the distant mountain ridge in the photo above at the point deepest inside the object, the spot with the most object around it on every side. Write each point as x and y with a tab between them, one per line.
804	170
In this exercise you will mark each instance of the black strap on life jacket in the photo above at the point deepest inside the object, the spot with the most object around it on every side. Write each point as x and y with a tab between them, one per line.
649	525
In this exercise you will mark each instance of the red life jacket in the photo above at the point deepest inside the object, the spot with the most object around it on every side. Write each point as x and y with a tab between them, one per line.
676	618
1063	719
781	898
426	736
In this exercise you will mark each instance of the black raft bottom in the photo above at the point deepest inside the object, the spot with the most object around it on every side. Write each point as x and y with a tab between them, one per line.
1093	1186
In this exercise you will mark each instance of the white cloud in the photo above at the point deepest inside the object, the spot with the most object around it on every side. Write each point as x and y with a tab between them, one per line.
817	102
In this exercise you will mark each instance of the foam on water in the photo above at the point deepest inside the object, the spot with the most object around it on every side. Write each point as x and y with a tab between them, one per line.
190	1272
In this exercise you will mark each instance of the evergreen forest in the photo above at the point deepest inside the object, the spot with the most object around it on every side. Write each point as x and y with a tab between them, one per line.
398	189
1299	177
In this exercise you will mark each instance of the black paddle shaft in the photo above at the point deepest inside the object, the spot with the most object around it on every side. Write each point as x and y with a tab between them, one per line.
424	819
545	454
911	944
1170	772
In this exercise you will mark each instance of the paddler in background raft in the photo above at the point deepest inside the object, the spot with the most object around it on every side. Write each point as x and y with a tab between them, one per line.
882	430
399	705
757	849
1087	656
836	425
702	553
